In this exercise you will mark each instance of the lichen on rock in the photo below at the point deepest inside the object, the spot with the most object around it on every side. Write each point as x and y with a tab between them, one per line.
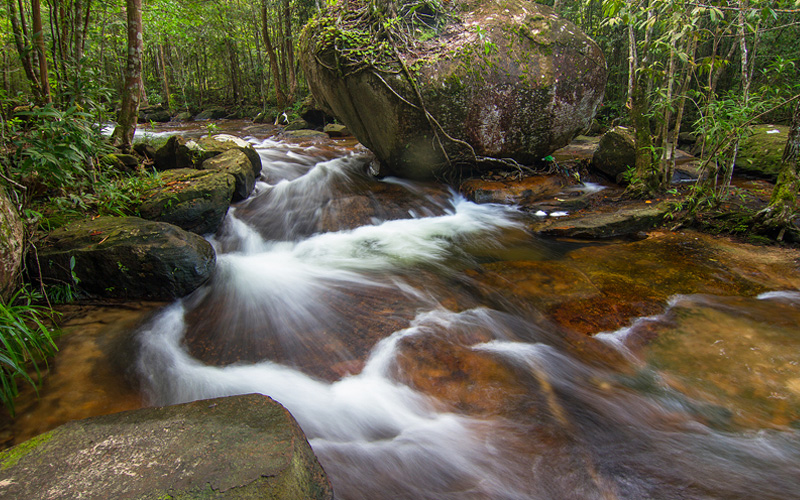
474	81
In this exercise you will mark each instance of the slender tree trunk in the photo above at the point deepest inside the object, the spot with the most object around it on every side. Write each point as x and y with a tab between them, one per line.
273	58
23	48
666	151
38	36
164	79
686	78
131	95
289	42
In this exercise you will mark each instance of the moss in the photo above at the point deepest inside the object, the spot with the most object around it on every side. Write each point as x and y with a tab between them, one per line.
9	458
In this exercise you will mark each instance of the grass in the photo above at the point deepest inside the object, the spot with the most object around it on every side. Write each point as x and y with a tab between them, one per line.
25	344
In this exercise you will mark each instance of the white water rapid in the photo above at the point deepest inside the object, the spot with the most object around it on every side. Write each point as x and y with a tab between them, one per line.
337	316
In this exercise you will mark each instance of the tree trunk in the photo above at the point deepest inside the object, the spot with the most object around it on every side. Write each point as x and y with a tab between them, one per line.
289	41
38	37
164	79
273	58
782	208
23	49
126	127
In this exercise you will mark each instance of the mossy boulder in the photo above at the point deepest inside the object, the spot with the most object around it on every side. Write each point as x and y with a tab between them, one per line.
499	79
194	200
157	114
126	257
760	153
221	143
240	447
11	245
235	164
615	153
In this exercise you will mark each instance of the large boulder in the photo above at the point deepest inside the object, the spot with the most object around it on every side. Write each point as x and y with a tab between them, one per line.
212	114
194	200
495	79
615	153
179	152
761	152
11	245
126	257
241	447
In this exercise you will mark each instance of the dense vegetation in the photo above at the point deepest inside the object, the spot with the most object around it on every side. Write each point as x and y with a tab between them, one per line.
712	68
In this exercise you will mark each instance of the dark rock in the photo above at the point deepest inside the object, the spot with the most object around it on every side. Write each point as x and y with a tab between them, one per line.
11	240
179	152
615	153
524	191
615	223
154	114
212	114
145	150
127	257
218	144
760	153
265	117
524	88
336	130
235	163
311	112
194	200
241	447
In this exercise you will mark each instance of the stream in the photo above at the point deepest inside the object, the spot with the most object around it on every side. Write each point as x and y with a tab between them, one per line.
433	348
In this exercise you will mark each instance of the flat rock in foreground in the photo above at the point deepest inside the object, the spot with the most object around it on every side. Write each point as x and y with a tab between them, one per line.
242	447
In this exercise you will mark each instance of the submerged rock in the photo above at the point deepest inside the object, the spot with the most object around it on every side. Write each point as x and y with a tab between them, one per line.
11	238
527	190
126	257
193	200
498	79
239	447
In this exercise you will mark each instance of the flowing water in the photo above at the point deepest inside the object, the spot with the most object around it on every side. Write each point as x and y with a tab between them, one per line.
347	299
415	336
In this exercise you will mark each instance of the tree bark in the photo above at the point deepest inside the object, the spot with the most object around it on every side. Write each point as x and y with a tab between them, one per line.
23	49
289	41
38	37
129	111
162	62
273	58
782	208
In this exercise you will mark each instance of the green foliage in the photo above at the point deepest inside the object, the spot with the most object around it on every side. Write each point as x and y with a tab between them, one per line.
26	344
55	148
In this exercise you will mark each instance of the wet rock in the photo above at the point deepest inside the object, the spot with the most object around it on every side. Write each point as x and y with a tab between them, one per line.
613	222
760	154
145	150
220	143
304	134
616	153
193	200
336	130
237	165
227	448
521	88
298	124
126	257
212	114
525	191
11	240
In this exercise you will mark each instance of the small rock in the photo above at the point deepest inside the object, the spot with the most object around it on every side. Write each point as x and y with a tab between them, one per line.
298	124
336	130
616	153
525	191
212	114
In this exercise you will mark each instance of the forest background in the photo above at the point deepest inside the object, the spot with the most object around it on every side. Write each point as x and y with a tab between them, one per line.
709	68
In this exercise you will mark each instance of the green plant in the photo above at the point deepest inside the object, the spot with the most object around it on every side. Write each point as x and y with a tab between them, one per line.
26	343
